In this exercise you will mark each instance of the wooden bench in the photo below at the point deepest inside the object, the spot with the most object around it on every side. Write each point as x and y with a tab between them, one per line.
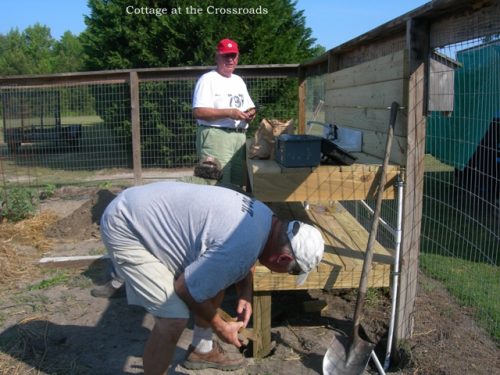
285	190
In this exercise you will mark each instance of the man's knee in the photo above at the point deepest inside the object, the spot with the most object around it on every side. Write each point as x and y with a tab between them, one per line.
170	327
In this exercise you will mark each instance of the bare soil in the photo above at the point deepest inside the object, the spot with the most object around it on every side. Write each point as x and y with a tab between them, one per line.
64	330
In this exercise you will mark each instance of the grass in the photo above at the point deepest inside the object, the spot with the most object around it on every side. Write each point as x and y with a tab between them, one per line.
375	296
36	301
56	164
60	277
460	246
473	284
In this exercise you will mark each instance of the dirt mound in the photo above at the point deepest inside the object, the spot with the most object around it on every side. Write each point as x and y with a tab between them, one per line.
83	223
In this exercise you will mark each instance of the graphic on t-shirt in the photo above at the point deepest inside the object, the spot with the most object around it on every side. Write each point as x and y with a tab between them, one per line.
236	101
247	205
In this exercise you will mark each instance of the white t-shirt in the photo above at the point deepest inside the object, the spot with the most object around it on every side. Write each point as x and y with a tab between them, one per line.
212	234
213	90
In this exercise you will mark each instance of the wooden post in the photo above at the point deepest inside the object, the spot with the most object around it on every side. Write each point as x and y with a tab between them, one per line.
262	324
58	110
136	127
417	44
4	115
302	103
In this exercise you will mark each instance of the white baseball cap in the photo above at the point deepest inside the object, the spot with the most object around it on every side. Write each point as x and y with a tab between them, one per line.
307	246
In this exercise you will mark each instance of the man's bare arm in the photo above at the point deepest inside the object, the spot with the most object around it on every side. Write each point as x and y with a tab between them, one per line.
227	331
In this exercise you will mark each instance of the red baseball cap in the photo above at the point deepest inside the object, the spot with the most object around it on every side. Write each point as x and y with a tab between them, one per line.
227	46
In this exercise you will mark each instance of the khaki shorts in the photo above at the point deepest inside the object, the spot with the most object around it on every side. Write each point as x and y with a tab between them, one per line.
149	282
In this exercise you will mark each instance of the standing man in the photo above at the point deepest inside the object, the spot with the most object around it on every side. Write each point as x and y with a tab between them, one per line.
223	108
179	246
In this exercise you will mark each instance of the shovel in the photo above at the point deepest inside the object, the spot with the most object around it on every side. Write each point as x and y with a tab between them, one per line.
350	355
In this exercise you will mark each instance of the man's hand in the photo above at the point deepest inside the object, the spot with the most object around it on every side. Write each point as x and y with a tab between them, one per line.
206	310
236	114
251	112
227	331
245	293
244	311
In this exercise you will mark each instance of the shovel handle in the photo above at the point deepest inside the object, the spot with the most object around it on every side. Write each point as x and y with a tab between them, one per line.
374	227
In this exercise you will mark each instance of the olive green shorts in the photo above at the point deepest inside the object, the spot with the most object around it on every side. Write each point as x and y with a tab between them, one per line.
229	147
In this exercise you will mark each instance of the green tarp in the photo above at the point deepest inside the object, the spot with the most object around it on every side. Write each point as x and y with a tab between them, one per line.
453	138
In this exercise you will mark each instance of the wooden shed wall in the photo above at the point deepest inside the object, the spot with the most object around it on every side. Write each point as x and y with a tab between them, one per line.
358	97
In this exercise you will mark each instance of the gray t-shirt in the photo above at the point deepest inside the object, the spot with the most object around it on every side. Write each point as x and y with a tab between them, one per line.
212	234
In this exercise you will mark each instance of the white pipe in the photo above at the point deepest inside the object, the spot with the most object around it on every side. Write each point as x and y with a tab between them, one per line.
377	363
399	185
382	221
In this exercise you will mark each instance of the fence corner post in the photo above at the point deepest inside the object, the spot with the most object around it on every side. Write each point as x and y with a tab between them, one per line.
136	127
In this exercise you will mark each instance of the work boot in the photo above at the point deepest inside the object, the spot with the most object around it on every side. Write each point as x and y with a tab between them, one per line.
216	358
112	288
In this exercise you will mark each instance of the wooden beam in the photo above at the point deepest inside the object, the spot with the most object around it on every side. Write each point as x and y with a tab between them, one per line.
136	127
417	36
413	192
386	68
262	324
469	20
302	105
335	278
76	261
273	183
149	74
374	95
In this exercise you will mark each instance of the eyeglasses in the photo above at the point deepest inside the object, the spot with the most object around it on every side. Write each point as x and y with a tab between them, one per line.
293	232
232	56
295	271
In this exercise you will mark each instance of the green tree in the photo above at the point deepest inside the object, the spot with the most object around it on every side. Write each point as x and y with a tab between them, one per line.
13	57
270	33
35	51
27	52
115	39
68	54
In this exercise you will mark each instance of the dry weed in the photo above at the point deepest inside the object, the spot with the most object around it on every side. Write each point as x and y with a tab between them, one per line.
20	244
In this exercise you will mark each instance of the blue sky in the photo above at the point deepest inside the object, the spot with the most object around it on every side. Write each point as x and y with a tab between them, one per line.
333	22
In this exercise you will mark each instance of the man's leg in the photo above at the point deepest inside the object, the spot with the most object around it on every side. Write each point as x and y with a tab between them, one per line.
150	284
111	288
161	345
238	163
206	353
202	332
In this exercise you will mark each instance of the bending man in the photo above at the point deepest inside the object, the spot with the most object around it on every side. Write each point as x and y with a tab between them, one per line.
179	246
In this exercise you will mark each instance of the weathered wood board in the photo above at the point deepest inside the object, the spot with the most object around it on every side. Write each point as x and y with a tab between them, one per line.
358	97
273	183
345	244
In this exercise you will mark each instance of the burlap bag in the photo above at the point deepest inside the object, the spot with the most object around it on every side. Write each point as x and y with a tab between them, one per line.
262	145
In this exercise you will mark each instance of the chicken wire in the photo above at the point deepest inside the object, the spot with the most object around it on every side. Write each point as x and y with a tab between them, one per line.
460	240
79	133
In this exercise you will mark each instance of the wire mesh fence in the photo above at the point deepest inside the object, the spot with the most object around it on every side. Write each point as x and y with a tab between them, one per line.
63	134
461	217
460	239
78	132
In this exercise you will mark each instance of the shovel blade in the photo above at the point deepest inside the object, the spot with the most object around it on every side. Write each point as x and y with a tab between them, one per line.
346	357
